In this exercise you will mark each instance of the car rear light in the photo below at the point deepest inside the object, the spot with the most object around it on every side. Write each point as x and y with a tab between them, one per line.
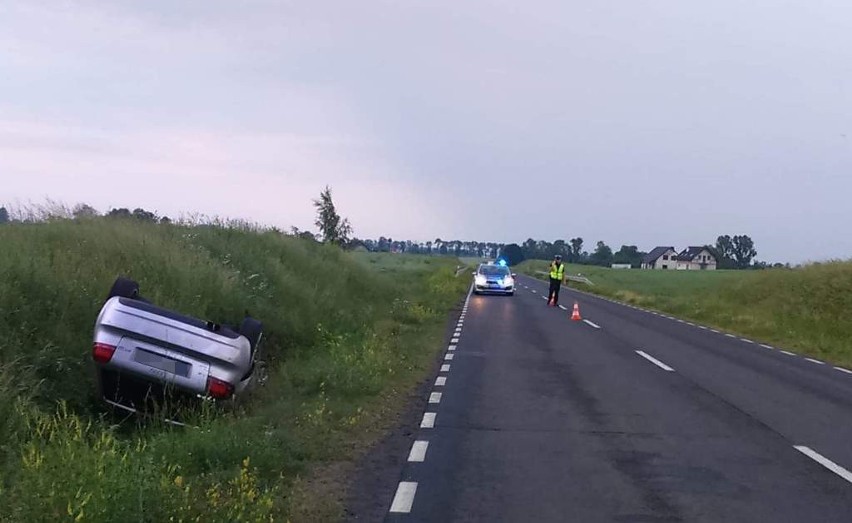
102	353
219	389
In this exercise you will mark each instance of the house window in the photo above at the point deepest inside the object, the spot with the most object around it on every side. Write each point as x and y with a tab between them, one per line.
665	256
665	266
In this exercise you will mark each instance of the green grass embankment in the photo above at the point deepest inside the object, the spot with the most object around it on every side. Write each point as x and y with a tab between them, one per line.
344	342
805	309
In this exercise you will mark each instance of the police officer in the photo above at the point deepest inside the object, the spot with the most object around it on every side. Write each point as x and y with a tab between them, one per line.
557	274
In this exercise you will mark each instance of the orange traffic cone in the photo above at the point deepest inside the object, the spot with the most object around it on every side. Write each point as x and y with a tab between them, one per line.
575	316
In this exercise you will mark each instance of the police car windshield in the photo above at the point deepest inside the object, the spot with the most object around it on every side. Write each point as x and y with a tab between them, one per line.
493	270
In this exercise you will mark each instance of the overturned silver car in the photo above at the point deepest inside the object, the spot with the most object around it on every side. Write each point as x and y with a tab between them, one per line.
147	355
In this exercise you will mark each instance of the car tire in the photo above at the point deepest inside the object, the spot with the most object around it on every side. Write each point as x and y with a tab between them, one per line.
253	331
124	288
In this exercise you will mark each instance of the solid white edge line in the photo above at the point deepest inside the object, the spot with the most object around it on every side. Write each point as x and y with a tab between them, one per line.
441	381
841	369
825	462
655	361
445	368
403	500
815	361
418	451
435	397
428	420
587	322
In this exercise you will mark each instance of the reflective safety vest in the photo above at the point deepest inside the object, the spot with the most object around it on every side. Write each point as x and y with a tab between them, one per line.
557	271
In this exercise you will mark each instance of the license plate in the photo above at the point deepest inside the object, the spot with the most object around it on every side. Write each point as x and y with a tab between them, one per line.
163	363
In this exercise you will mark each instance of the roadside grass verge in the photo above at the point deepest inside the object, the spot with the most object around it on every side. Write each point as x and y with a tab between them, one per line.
343	342
804	309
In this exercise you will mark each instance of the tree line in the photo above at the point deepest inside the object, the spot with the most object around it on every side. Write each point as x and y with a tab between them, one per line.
731	252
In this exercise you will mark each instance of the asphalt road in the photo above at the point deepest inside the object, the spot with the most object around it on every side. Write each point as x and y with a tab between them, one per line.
634	417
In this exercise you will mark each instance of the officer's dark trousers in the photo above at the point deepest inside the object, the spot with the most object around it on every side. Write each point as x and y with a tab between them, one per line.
553	296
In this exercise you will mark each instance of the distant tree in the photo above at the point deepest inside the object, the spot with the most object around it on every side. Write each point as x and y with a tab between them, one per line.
530	249
513	254
628	254
83	211
383	244
576	250
602	255
4	215
443	249
165	220
120	213
724	252
333	228
744	251
145	216
305	235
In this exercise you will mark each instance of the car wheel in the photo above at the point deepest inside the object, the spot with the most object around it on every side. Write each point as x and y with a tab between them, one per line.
253	331
124	288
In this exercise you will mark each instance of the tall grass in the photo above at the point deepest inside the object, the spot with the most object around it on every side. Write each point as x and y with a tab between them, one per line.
341	337
806	309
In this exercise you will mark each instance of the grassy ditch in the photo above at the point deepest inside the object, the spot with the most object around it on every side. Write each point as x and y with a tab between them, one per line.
804	309
344	341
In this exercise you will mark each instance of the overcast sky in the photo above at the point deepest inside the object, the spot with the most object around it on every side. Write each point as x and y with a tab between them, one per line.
644	122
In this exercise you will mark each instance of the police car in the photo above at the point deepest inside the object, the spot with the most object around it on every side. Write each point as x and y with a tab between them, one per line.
494	278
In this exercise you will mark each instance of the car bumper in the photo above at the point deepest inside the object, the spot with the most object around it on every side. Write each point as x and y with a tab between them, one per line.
486	289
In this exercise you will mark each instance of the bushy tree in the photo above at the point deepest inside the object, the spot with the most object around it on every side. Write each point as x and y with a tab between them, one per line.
513	254
744	251
4	215
602	255
628	254
576	255
83	211
734	252
333	228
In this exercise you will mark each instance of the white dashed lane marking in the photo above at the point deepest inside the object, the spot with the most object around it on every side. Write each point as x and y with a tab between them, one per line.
590	324
440	381
729	335
404	498
435	397
449	357
445	368
814	361
765	346
825	462
454	340
428	420
418	452
451	348
788	353
564	308
655	361
841	369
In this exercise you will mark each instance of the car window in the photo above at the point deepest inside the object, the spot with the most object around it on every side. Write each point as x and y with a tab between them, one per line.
493	270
